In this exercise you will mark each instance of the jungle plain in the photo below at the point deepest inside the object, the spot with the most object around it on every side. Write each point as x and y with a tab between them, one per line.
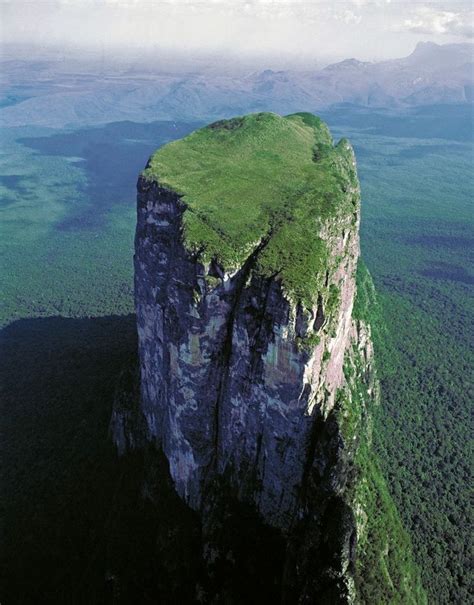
68	218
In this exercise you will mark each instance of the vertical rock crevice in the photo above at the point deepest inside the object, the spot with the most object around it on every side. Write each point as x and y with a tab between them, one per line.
223	356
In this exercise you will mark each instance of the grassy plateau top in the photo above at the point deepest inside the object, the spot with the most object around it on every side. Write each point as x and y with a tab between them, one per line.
261	177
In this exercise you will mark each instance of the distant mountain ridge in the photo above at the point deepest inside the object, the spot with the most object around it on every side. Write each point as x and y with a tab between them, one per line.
58	94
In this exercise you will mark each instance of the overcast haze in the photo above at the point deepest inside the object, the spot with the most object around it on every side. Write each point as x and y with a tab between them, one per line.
283	28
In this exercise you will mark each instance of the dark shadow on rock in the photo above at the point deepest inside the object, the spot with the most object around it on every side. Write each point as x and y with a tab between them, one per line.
82	525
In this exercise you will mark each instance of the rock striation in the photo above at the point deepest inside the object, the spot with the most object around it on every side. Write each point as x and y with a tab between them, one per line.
246	252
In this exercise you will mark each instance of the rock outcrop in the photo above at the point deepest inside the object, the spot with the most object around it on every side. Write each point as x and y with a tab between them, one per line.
248	349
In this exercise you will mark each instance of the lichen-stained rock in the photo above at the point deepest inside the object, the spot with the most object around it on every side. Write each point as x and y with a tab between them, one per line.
244	328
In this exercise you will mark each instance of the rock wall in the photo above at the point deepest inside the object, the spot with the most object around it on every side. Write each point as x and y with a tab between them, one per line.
240	388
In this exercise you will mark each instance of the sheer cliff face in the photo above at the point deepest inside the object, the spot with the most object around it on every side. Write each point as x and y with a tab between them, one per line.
229	386
241	377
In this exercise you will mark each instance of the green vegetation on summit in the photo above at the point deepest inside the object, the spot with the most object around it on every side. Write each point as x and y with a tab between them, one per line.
261	179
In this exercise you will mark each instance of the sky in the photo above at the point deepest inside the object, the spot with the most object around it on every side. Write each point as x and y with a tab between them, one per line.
302	30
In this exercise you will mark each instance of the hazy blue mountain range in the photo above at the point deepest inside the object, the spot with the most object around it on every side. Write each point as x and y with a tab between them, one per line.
73	92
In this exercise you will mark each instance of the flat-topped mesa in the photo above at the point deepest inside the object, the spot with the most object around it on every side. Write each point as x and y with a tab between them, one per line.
256	371
261	184
246	251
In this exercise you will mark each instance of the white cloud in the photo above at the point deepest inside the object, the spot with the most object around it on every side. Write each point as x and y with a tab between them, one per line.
366	29
361	3
348	16
428	20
